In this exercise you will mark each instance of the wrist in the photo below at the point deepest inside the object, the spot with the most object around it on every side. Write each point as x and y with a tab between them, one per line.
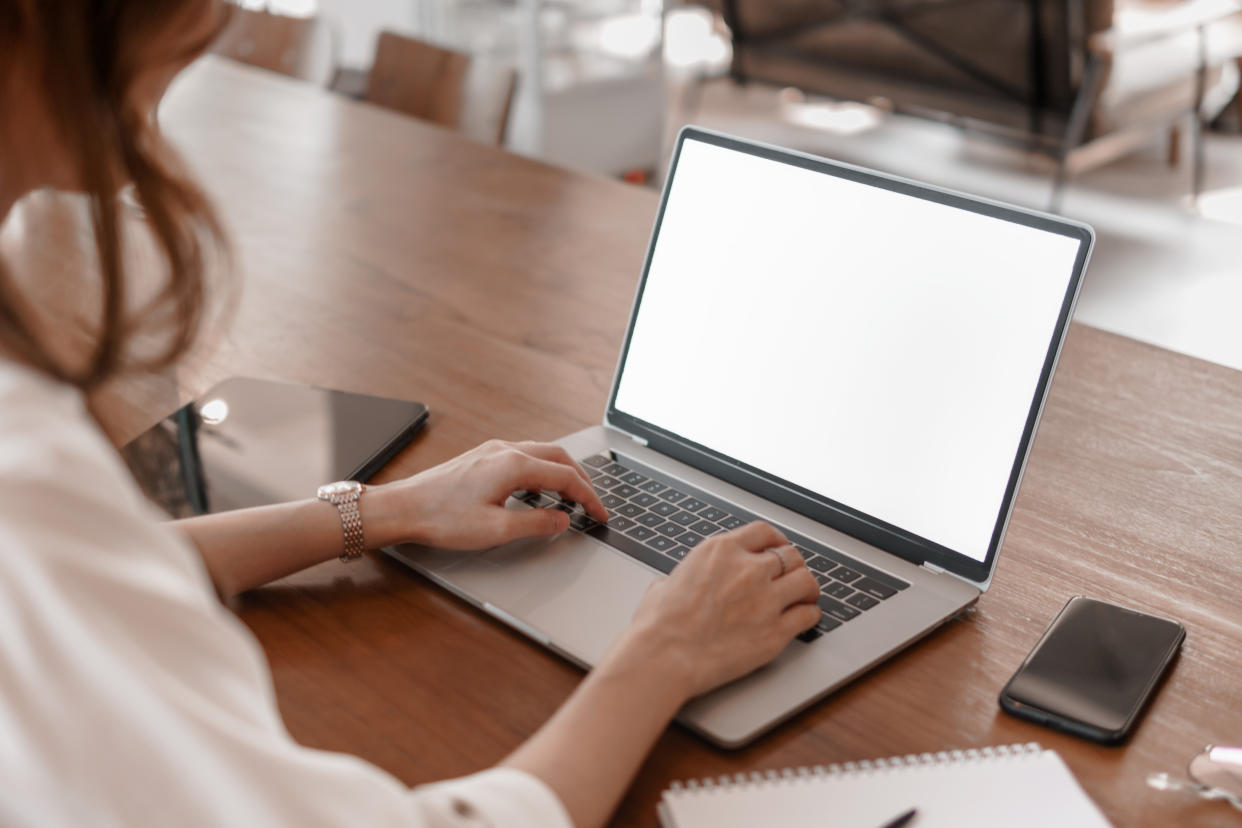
653	658
380	517
389	517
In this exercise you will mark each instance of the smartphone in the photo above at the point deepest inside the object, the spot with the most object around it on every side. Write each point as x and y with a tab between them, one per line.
1094	670
251	442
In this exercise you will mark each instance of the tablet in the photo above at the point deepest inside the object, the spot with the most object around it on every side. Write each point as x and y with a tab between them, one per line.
250	442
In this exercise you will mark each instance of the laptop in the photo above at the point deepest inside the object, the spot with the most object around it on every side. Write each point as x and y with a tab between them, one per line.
858	359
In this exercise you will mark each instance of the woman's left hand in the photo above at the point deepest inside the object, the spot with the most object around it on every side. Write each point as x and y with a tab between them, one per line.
460	504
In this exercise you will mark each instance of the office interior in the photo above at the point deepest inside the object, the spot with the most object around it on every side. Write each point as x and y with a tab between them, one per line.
1125	115
605	87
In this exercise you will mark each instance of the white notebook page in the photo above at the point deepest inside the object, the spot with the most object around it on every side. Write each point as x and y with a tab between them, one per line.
1013	787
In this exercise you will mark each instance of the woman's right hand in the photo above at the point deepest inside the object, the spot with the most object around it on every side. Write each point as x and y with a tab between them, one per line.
727	609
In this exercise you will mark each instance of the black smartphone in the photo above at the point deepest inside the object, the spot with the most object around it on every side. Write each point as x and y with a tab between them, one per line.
251	442
1094	670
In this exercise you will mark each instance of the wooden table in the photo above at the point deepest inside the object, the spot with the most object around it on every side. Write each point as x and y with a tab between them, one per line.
385	256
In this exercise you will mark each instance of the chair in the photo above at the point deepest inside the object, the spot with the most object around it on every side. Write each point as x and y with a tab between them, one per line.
301	47
1059	75
441	86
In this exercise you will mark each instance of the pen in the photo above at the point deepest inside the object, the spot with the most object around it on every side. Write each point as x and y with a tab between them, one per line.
898	821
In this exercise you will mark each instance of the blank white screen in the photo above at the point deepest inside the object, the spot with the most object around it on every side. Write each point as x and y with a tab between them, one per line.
875	348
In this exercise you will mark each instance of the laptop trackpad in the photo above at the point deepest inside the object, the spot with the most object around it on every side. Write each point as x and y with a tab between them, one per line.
575	591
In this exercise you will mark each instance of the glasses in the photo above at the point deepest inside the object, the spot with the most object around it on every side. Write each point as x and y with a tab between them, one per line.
1215	773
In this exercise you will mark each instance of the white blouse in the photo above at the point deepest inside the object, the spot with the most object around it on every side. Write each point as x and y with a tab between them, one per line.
129	695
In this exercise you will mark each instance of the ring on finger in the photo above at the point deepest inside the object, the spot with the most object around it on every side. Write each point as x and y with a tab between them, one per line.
780	557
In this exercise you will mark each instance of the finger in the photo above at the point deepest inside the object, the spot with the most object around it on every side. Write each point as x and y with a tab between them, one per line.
535	474
796	586
798	619
554	454
534	523
784	559
758	536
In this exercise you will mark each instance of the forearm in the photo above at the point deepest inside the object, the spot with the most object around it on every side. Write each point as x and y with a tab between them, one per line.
247	548
589	752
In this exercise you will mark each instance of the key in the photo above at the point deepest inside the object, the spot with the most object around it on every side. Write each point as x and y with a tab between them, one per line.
821	564
582	522
827	623
836	609
640	533
845	574
875	589
861	601
839	590
661	543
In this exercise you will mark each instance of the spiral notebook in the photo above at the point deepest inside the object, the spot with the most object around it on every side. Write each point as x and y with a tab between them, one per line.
1014	786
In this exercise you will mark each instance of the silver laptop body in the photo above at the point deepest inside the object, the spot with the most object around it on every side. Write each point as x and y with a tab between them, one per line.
858	359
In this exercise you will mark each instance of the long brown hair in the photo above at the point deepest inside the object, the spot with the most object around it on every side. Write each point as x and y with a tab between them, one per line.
93	54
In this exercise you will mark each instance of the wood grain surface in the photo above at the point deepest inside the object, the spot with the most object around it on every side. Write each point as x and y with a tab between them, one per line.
382	255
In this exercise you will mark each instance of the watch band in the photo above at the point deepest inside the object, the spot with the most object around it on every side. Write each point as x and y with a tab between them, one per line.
344	495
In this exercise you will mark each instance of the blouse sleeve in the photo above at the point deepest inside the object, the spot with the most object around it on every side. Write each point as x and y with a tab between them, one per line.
127	692
501	796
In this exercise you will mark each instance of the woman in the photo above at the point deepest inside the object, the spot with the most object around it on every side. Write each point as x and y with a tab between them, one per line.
130	695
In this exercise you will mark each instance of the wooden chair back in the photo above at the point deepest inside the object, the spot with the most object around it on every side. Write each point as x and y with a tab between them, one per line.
302	47
441	86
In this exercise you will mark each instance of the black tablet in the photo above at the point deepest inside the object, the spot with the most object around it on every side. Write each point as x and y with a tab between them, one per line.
250	442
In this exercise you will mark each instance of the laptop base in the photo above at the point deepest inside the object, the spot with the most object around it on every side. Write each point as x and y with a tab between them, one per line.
576	595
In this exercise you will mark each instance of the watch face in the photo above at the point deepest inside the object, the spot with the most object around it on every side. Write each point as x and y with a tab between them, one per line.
340	488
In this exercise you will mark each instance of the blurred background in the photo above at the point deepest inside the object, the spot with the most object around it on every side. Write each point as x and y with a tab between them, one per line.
1121	113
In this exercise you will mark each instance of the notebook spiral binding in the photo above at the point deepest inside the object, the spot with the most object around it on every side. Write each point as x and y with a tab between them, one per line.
759	779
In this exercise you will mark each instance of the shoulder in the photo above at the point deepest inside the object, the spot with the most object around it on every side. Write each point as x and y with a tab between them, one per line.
46	431
32	405
64	490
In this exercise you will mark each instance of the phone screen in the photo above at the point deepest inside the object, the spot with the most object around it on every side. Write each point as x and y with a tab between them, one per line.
1097	664
250	442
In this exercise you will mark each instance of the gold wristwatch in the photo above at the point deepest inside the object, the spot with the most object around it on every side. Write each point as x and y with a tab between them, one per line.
344	495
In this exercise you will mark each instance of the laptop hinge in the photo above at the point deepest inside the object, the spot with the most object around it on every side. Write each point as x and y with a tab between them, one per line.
641	441
611	426
938	570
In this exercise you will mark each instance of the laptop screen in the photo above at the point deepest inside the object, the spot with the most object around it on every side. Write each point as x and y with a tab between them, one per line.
877	349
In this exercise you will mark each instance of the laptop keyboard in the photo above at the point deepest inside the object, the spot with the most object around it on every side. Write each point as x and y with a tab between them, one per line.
658	523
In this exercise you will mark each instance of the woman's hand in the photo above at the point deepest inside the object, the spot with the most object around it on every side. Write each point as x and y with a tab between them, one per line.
460	504
724	611
730	607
